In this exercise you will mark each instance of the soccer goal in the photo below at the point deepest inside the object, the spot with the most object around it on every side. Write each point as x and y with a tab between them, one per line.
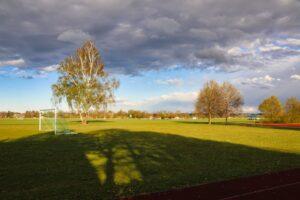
49	121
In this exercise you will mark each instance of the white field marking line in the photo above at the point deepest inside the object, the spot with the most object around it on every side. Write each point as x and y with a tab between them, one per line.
262	190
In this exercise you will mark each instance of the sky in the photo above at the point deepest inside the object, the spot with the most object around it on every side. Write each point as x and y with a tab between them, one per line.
161	51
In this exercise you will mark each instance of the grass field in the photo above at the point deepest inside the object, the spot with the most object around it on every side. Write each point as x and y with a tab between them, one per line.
109	159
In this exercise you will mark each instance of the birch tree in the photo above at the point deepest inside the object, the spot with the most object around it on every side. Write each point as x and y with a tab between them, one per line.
83	83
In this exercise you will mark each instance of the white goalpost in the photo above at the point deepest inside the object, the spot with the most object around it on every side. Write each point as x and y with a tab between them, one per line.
49	121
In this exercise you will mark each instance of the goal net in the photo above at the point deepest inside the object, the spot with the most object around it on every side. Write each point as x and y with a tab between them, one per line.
49	121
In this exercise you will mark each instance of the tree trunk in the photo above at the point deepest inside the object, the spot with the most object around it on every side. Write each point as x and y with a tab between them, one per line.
226	120
209	118
82	118
84	121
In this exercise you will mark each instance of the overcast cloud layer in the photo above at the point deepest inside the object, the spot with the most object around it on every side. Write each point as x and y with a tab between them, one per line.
258	39
139	35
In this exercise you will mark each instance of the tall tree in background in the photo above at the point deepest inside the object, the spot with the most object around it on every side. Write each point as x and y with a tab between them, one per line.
231	102
271	109
83	82
292	110
209	100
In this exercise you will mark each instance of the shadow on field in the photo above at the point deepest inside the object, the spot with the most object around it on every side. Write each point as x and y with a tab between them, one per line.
245	124
111	163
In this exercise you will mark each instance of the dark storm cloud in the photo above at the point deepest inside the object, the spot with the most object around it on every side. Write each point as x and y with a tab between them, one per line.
135	35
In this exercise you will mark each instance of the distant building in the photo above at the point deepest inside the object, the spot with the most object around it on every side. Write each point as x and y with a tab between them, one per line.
256	116
18	115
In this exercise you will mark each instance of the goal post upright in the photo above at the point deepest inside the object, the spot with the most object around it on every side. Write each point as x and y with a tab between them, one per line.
55	121
48	120
40	120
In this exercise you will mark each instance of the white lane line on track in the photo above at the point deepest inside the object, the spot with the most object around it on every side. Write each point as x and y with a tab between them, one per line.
259	191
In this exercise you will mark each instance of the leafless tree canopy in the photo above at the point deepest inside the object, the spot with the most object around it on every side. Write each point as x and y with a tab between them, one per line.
292	109
209	101
231	101
215	100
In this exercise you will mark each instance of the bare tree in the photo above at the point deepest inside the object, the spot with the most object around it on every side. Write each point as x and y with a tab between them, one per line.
83	82
209	100
292	109
232	100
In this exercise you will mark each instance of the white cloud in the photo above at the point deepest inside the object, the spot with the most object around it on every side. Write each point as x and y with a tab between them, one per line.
270	47
74	36
178	96
263	82
295	77
249	109
260	54
183	101
24	73
172	81
50	68
17	62
235	51
127	104
28	73
290	41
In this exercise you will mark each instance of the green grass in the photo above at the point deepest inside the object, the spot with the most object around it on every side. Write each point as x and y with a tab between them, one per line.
114	158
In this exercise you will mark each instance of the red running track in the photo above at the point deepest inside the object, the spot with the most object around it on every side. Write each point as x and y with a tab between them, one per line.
281	125
280	185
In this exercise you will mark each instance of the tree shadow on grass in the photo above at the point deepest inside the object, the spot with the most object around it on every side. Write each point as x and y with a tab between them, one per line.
46	166
107	164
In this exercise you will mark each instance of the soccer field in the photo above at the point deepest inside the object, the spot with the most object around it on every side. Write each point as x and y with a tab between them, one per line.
116	158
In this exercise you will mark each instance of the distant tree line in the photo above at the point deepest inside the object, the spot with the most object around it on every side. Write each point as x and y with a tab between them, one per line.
27	114
137	114
31	114
273	110
214	100
7	114
134	114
